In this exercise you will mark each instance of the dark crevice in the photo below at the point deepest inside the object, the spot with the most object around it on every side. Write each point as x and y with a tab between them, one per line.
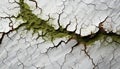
2	37
32	22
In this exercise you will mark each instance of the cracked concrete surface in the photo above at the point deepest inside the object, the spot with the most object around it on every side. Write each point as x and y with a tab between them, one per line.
21	49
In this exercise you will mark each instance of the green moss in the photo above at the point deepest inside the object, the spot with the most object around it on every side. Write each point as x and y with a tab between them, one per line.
102	36
115	37
32	22
98	36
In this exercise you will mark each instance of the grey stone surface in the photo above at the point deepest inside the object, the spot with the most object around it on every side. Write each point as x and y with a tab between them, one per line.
21	50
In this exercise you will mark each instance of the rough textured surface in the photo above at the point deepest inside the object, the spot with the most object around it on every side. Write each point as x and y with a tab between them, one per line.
21	48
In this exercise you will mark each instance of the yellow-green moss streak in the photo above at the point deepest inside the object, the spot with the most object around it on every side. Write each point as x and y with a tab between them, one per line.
32	22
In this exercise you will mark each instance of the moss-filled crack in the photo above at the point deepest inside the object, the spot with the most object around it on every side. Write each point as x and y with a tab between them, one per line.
32	22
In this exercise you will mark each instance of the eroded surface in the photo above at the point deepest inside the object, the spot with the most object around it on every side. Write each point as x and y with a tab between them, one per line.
42	34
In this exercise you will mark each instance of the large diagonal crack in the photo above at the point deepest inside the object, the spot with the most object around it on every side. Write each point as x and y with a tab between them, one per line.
62	31
83	40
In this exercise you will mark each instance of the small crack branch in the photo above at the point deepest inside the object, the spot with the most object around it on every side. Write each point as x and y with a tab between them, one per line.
36	5
2	36
85	51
